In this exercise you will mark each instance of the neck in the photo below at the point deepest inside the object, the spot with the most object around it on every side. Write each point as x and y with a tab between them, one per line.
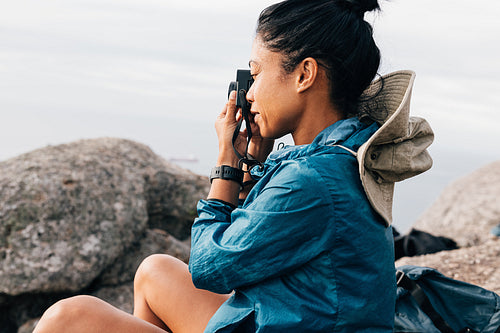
316	117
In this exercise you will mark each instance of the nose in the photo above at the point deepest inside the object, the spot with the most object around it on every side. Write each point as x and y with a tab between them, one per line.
250	96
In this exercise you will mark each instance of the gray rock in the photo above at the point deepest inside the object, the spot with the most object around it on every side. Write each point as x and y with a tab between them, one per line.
29	326
154	241
69	212
121	296
467	209
171	197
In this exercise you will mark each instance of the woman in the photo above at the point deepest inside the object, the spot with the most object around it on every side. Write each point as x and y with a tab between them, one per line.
305	249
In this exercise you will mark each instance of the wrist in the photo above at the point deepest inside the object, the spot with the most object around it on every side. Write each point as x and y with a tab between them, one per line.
227	172
227	157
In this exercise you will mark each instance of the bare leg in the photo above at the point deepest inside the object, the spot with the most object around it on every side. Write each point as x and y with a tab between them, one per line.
164	295
90	314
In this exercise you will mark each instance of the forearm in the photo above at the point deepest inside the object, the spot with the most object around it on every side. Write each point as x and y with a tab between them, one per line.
259	148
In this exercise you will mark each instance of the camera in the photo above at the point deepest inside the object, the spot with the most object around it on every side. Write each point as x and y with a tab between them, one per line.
243	82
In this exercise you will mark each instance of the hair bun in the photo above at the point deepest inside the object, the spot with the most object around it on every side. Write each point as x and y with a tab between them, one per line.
360	6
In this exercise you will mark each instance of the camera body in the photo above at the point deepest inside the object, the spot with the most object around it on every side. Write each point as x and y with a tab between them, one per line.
243	82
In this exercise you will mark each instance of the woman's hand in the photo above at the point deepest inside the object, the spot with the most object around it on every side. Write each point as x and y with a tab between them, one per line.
259	148
225	125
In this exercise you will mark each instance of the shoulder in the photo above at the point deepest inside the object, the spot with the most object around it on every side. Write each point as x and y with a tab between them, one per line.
310	167
288	185
317	172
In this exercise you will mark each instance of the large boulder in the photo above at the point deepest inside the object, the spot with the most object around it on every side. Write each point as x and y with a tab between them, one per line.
68	212
467	209
154	241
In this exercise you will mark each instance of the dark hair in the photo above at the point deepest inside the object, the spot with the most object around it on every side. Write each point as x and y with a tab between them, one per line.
334	33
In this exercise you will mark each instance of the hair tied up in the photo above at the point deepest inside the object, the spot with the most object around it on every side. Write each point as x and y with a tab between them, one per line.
360	7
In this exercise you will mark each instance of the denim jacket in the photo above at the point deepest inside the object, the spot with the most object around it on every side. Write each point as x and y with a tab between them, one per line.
305	252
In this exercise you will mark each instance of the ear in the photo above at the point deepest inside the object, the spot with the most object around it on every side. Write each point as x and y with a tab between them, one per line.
307	72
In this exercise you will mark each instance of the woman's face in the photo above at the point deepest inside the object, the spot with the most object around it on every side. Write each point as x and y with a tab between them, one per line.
275	105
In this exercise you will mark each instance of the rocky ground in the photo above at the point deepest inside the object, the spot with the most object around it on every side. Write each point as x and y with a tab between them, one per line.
478	265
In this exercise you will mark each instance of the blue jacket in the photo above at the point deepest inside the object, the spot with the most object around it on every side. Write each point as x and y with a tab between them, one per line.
305	252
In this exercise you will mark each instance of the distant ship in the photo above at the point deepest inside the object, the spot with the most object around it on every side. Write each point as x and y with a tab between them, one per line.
184	159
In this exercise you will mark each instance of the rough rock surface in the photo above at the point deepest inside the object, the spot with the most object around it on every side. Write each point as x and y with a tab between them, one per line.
467	209
120	296
154	241
78	217
68	212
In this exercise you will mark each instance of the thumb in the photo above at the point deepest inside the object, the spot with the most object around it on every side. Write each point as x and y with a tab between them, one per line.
231	105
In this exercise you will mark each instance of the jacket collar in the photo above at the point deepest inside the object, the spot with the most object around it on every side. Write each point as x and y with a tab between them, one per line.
350	133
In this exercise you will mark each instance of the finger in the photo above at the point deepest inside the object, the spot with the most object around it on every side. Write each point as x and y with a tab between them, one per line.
231	105
239	115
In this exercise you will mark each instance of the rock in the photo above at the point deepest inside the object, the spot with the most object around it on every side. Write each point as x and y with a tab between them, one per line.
121	296
479	265
76	219
17	310
29	326
467	209
68	212
155	241
172	198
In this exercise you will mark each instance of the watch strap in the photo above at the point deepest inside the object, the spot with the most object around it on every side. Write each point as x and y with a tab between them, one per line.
228	173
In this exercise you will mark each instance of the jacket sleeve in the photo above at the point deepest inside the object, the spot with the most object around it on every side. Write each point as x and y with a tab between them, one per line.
288	223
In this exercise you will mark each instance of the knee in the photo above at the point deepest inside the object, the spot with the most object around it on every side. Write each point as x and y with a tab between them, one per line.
61	316
156	266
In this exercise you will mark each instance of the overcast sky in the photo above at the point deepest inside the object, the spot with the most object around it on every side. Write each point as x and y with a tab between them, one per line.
157	72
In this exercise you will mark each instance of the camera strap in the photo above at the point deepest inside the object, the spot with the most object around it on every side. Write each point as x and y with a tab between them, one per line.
246	158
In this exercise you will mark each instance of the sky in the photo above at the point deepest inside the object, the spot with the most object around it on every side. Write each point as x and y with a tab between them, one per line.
157	72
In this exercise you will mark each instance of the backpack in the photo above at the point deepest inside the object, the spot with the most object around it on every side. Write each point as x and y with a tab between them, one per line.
417	242
429	302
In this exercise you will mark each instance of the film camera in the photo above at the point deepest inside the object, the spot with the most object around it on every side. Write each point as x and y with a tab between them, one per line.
243	82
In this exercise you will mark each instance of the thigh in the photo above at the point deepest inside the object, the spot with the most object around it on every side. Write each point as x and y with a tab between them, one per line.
90	314
165	285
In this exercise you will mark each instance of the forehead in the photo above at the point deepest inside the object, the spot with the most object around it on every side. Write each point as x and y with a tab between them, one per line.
261	56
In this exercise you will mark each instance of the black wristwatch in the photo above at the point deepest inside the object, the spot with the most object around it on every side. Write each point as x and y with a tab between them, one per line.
228	173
